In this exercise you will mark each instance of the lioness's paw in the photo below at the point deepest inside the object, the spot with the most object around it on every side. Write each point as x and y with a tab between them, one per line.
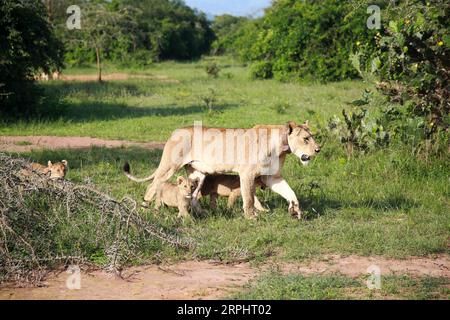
295	211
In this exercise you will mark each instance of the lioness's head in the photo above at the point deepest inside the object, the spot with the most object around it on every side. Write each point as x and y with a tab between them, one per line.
57	170
184	187
301	142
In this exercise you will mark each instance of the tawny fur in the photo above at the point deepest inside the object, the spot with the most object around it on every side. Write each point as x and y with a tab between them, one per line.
229	186
54	171
283	139
175	195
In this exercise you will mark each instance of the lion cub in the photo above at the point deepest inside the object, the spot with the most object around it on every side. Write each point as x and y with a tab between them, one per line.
175	195
227	185
55	171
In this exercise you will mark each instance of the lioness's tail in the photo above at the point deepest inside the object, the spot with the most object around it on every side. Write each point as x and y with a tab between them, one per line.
126	170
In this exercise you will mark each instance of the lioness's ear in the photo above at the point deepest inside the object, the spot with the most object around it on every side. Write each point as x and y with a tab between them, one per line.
291	125
180	180
65	163
306	124
49	163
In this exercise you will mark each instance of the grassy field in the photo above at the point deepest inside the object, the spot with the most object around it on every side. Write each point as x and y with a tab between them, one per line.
388	202
296	287
142	109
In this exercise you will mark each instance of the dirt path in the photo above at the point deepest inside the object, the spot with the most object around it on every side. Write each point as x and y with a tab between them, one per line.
28	143
209	280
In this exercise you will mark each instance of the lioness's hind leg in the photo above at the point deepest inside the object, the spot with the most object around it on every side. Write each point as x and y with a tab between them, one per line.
161	176
248	194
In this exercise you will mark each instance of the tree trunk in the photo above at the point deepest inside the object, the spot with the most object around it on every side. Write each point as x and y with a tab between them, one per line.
99	66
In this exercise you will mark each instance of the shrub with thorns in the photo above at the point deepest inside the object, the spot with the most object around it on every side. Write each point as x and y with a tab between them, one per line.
46	224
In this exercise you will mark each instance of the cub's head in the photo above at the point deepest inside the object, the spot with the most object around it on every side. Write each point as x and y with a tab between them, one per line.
301	142
185	187
57	170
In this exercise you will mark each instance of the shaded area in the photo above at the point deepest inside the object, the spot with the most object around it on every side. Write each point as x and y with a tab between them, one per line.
101	101
29	143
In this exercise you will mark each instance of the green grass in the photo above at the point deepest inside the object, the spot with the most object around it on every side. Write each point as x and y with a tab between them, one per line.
23	143
370	205
387	202
149	109
277	286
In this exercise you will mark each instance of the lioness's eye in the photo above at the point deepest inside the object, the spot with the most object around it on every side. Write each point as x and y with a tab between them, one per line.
306	139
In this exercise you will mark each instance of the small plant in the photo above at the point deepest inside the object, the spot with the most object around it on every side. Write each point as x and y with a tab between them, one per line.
212	70
357	133
228	75
209	100
282	107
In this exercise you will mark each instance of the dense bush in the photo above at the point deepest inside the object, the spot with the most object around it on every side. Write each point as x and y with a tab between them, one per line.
27	46
307	39
411	65
227	29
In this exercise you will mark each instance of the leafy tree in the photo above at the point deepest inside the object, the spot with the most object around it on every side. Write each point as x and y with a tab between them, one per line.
27	46
100	28
143	31
227	29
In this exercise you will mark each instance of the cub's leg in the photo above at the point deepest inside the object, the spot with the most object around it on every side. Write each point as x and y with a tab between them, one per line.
213	200
183	211
259	206
233	197
158	201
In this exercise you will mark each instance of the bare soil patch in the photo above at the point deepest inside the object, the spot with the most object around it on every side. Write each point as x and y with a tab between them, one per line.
28	143
210	280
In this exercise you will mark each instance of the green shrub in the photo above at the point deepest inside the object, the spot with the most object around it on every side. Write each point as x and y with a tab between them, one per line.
410	64
306	39
356	132
261	70
212	70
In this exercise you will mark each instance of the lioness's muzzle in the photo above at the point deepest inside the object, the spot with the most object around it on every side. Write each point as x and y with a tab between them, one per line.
305	157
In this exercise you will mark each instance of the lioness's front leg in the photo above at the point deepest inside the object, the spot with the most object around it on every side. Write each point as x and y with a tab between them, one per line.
280	186
200	178
248	194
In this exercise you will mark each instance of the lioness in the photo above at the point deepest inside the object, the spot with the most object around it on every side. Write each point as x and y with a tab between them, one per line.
55	171
175	195
226	185
256	152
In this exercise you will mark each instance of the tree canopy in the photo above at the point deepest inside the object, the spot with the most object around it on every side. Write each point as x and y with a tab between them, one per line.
27	46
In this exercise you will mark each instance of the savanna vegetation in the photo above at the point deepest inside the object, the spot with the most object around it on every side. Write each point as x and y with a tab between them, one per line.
377	101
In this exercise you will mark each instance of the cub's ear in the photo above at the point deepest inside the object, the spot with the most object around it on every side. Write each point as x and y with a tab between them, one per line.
306	124
291	125
65	163
49	163
180	180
